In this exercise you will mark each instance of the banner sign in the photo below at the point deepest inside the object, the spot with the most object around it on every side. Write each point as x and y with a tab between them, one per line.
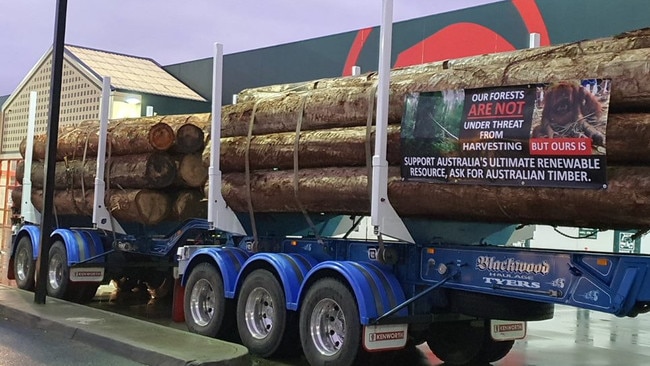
544	135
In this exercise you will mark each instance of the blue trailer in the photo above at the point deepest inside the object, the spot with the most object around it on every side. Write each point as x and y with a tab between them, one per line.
336	298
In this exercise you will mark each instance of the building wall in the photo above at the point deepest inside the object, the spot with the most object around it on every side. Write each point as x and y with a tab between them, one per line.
79	101
495	27
576	239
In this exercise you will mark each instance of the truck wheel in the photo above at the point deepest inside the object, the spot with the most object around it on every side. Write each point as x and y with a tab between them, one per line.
84	293
492	350
265	327
58	273
330	330
466	343
24	264
206	310
456	343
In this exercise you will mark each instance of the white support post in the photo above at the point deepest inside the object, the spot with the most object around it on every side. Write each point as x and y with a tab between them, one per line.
534	40
220	216
102	219
356	70
383	216
27	209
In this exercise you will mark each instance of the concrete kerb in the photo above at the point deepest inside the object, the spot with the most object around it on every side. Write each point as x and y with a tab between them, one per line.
139	340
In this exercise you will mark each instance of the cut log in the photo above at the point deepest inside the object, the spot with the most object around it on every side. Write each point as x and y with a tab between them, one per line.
349	106
190	171
626	41
147	207
188	131
126	137
189	203
320	108
628	142
320	148
137	135
624	204
150	170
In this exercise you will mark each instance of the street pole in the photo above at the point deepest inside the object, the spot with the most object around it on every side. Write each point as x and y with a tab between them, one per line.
47	218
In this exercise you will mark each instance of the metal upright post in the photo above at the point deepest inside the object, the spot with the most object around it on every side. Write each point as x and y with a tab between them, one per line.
383	216
47	216
220	216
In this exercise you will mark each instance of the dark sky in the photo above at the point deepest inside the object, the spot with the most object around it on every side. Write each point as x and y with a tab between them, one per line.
177	31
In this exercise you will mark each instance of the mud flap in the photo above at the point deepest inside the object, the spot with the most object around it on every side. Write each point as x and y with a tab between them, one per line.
86	274
384	337
507	330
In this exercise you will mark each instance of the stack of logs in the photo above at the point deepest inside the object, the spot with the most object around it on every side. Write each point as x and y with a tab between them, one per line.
153	168
286	148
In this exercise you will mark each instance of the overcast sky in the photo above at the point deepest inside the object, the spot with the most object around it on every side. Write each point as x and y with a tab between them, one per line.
177	31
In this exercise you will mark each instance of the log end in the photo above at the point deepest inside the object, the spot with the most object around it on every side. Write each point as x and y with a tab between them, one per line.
153	206
161	136
189	139
160	169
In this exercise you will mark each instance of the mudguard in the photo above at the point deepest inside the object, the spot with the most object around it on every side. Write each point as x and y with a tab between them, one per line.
80	245
34	233
375	290
229	261
291	268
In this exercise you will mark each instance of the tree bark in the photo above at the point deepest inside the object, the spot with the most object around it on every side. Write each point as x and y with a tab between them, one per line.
150	170
147	207
126	137
349	106
636	39
628	142
624	204
319	148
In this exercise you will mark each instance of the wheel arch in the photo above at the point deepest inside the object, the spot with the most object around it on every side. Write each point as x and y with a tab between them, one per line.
376	291
228	261
289	269
80	245
34	233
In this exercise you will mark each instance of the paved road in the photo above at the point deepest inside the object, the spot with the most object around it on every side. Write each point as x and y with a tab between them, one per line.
28	346
574	337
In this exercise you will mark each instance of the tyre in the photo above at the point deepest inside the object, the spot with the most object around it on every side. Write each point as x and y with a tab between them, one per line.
84	293
498	307
330	330
456	343
466	343
24	264
265	326
206	310
492	350
58	273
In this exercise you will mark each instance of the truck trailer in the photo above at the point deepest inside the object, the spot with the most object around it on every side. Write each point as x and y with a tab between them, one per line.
291	278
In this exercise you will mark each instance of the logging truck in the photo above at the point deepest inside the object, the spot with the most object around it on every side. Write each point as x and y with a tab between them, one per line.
276	265
282	288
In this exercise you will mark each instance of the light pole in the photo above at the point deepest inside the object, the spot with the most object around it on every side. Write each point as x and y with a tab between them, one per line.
47	217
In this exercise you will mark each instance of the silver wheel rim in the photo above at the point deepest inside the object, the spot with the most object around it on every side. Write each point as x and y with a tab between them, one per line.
327	327
55	272
23	265
202	302
259	313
